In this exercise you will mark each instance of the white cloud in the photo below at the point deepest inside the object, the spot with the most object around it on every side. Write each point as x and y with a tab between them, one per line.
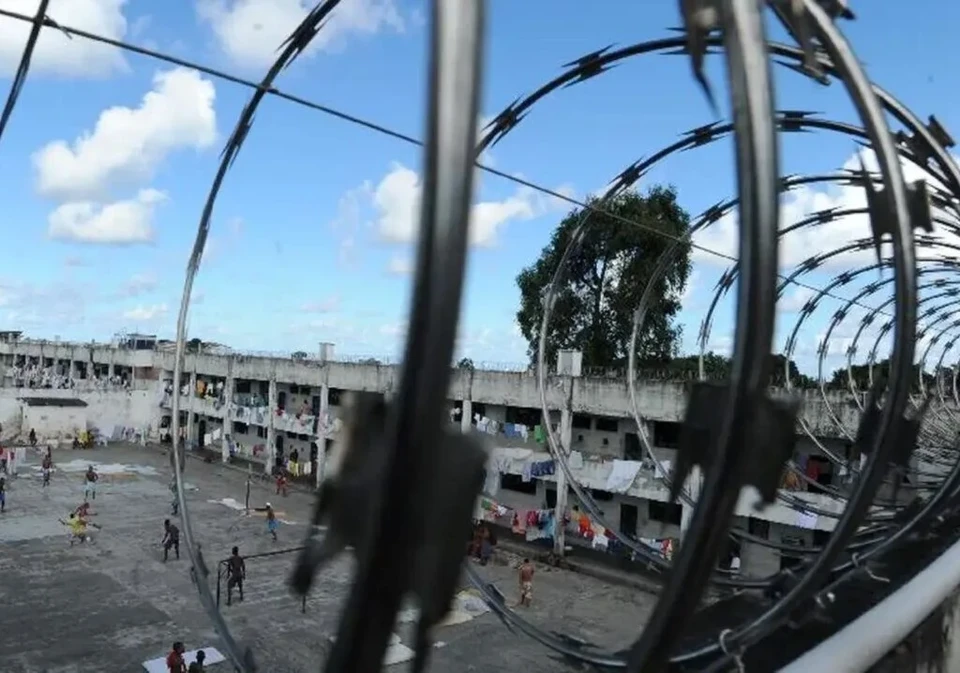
328	305
121	222
138	284
396	202
400	265
794	301
146	313
811	240
250	32
61	55
128	144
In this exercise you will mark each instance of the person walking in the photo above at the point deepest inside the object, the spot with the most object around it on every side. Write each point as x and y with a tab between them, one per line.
90	479
171	539
236	573
272	523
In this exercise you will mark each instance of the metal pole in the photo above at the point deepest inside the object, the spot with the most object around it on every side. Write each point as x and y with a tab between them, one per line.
219	574
246	500
303	605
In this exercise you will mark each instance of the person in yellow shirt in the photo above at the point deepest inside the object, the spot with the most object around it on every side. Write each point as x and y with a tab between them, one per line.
78	528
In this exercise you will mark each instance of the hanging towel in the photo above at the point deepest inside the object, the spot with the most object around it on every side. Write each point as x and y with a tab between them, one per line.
523	431
622	475
539	435
525	475
575	460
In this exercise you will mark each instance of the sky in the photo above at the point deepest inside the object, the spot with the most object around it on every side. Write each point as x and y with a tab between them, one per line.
109	155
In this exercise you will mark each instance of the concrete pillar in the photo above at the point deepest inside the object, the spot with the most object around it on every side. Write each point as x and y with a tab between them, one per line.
323	429
693	487
566	432
72	371
187	405
271	430
466	416
228	390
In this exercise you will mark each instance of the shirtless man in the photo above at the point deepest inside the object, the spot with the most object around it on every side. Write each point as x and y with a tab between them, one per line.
171	539
46	466
526	583
272	523
90	483
236	573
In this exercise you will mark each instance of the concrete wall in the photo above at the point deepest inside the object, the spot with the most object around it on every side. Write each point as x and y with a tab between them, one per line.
135	408
53	422
657	400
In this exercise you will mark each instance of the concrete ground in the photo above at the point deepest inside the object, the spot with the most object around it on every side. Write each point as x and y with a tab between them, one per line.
111	605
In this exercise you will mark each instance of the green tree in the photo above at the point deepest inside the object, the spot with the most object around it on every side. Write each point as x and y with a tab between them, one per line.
465	363
604	280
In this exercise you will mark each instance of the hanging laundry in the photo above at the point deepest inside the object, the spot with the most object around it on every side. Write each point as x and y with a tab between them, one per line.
622	475
575	460
519	526
492	427
526	475
539	435
542	468
523	431
532	519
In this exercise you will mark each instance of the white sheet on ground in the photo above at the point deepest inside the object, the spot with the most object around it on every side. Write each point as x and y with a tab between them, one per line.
397	652
159	665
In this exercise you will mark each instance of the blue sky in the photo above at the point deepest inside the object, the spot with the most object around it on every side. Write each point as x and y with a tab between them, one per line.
108	158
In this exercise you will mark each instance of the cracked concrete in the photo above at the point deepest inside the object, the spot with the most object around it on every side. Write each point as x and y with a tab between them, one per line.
111	605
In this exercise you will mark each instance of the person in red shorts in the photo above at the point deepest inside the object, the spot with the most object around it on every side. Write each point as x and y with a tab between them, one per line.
175	662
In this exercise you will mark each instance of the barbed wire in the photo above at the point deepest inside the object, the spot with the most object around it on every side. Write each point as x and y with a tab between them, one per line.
735	432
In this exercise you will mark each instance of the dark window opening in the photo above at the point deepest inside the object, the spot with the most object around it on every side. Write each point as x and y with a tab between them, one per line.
479	409
632	450
334	397
581	422
282	399
607	424
665	512
758	528
261	432
514	482
522	415
601	495
242	387
820	538
666	434
628	519
240	428
551	498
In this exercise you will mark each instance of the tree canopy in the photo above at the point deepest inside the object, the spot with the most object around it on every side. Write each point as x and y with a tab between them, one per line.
881	370
604	280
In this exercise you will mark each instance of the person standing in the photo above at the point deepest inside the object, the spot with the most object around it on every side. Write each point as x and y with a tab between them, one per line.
295	463
171	539
3	494
175	503
526	583
90	479
46	466
175	662
236	573
272	523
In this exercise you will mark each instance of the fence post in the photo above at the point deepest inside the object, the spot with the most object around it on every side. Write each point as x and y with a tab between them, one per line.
246	499
219	571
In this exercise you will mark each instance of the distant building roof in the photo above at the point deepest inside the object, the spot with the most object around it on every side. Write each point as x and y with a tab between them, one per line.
53	402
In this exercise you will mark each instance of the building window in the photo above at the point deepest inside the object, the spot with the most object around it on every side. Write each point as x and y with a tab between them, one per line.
242	387
665	512
514	482
607	424
581	422
261	432
239	428
601	495
551	498
632	450
666	434
333	397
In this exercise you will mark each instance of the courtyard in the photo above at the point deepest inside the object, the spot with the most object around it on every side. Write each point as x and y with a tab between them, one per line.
114	604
